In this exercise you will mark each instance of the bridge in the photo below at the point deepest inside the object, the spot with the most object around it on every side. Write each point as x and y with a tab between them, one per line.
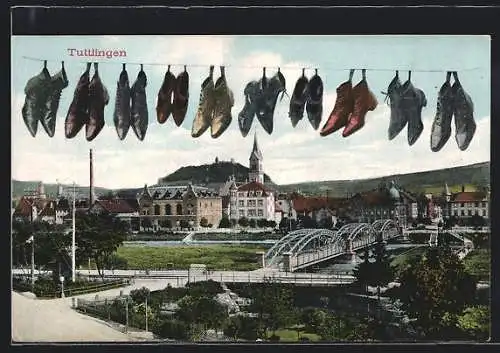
305	247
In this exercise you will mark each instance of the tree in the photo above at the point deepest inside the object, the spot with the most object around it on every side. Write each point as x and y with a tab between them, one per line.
183	224
271	224
261	222
252	223
475	322
433	287
139	295
224	222
98	237
243	222
243	327
284	224
382	272
203	222
363	271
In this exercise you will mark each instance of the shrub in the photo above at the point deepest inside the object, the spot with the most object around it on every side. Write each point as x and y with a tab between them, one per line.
173	329
243	221
203	222
224	222
252	223
274	338
139	295
45	287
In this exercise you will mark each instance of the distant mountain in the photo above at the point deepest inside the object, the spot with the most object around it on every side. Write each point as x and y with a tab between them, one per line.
471	176
214	173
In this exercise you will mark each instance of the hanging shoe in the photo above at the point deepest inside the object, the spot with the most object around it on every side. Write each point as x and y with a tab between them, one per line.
164	103
412	102
121	115
204	114
78	112
252	93
224	101
441	127
181	97
34	107
271	88
314	105
139	109
58	82
465	126
298	100
398	120
344	105
364	101
98	99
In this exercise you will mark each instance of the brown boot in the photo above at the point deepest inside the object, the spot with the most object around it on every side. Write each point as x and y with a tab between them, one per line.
203	118
364	101
181	97
224	101
98	99
164	103
344	106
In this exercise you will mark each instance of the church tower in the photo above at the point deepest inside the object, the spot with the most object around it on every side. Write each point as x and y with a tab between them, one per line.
256	173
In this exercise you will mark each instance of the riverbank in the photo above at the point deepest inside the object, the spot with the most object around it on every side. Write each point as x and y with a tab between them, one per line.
216	257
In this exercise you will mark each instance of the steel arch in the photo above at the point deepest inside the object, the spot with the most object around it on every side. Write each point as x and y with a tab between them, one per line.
325	235
286	243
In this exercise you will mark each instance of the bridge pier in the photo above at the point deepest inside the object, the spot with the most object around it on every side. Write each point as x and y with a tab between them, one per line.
353	257
287	266
262	259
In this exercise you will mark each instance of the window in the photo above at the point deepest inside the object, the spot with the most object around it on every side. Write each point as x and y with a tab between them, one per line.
261	203
469	212
476	212
241	203
168	209
463	213
260	212
157	209
462	204
242	213
484	205
455	213
252	213
179	209
480	212
477	204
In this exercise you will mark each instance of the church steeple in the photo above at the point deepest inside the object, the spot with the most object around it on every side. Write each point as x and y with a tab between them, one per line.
256	173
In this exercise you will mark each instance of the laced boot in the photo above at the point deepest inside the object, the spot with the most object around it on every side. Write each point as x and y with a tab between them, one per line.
298	100
245	117
139	109
224	101
99	98
465	126
204	114
121	115
164	104
412	102
397	120
181	97
315	101
270	91
364	101
344	105
34	107
58	82
78	112
441	127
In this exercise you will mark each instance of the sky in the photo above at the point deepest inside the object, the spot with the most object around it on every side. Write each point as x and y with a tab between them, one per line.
290	154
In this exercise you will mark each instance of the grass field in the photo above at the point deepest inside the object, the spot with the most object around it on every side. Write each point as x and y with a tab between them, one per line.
478	263
287	335
217	257
405	257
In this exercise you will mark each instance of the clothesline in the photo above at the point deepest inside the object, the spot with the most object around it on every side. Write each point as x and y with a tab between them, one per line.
278	67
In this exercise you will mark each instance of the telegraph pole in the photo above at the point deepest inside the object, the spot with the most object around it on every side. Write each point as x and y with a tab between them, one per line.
73	241
32	262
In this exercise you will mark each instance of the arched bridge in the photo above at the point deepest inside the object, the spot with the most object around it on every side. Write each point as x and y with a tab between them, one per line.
306	247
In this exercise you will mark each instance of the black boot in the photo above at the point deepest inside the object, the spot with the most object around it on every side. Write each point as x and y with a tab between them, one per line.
34	107
58	82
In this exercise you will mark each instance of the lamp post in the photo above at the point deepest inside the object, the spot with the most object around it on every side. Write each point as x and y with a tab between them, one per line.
32	262
61	279
73	240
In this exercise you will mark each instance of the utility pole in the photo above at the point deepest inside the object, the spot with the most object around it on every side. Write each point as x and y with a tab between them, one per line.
32	262
73	241
146	313
126	314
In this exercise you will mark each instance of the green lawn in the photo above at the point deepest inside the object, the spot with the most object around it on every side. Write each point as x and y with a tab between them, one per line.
216	257
404	257
478	263
287	335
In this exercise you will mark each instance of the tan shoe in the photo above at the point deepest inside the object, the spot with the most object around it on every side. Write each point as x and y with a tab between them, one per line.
224	101
203	118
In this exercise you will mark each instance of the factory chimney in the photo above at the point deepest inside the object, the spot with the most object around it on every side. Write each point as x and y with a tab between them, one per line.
91	199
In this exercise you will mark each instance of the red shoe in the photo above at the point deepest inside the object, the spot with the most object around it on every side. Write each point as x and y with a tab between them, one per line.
344	106
364	101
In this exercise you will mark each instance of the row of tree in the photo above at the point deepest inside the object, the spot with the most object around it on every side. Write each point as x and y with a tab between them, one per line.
245	222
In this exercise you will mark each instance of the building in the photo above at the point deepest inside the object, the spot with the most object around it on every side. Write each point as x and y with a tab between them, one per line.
252	200
464	204
166	206
126	210
323	210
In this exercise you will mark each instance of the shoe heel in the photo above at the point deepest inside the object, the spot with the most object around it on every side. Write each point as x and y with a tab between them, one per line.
372	103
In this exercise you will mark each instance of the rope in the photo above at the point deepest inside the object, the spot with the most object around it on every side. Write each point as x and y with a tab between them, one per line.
263	67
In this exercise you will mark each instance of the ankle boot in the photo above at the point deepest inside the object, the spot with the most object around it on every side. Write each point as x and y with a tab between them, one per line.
344	105
181	97
298	100
164	104
364	101
139	108
315	101
58	82
412	102
78	112
397	120
245	117
224	101
465	126
121	115
441	127
34	107
204	114
98	99
271	88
